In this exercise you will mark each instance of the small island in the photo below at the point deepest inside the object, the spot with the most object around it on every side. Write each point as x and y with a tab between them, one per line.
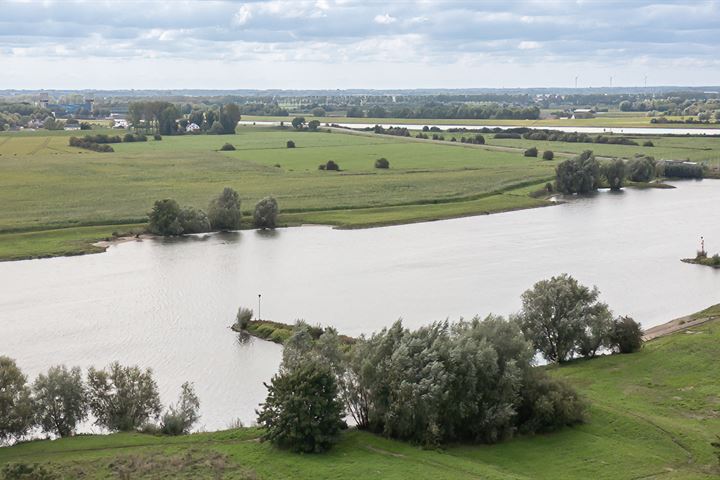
276	332
702	257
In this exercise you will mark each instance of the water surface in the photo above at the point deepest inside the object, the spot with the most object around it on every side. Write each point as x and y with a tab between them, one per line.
167	304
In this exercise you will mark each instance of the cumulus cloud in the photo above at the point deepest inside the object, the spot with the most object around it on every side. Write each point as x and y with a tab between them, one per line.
384	19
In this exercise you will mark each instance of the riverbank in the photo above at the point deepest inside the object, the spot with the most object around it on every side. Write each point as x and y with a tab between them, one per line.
652	413
278	332
712	261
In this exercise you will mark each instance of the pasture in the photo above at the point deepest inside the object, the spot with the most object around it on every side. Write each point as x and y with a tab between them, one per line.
47	185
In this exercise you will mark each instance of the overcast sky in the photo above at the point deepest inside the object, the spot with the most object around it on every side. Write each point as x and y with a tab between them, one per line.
356	44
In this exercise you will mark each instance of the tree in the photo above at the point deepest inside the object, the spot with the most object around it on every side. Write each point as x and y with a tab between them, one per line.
331	165
193	221
531	152
180	417
626	335
578	175
217	128
166	120
224	211
290	144
266	212
641	169
60	400
229	117
625	106
313	125
382	163
548	155
614	172
597	331
302	411
165	218
298	123
318	112
355	112
122	398
243	317
556	313
16	408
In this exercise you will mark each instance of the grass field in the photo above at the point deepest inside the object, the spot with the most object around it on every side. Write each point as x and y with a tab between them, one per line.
45	185
613	120
653	415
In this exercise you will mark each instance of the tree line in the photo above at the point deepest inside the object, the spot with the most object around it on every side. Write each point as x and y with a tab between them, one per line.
168	218
120	398
470	381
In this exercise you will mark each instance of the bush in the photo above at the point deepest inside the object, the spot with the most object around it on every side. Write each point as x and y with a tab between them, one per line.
313	125
578	175
243	317
641	169
138	137
321	166
626	335
614	172
548	404
548	155
331	165
290	144
60	400
266	212
227	147
501	135
27	471
531	152
194	221
122	398
16	408
217	128
89	145
302	410
180	418
224	211
157	136
164	219
382	163
648	143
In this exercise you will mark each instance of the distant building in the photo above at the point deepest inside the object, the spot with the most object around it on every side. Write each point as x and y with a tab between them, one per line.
580	113
72	126
192	128
120	123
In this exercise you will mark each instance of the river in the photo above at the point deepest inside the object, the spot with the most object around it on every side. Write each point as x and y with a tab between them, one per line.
619	130
167	304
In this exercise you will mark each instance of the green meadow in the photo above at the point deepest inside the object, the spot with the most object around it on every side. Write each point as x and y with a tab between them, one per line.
46	186
653	414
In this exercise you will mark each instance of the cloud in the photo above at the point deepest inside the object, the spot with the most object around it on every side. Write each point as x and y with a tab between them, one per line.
384	19
657	36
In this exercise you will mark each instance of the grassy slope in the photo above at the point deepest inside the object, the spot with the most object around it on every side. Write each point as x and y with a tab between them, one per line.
47	185
602	120
653	415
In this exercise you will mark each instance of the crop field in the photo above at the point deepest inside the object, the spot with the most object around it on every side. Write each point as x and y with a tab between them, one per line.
46	185
653	414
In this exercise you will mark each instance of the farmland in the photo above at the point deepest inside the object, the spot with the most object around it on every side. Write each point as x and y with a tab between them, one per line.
653	414
47	185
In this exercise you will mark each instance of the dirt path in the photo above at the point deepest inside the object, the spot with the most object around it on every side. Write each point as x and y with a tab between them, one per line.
677	325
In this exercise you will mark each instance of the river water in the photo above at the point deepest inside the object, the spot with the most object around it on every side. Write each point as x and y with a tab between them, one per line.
167	304
623	130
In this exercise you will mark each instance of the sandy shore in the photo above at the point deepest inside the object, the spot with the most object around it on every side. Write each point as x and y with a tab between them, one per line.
677	325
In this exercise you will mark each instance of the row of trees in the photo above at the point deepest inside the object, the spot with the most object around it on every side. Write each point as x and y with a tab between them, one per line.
584	173
164	118
224	214
575	137
120	398
468	381
486	110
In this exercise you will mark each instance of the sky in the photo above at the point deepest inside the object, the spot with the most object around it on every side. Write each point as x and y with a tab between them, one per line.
340	44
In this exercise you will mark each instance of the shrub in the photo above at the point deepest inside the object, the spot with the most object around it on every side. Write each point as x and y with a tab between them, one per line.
164	219
227	147
302	410
157	136
382	163
648	143
614	172
224	211
548	155
27	471
578	175
548	404
531	152
138	137
217	128
122	398
194	221
180	418
501	135
626	335
60	400
243	317
16	408
89	145
313	125
290	144
265	213
331	165
641	169
321	166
